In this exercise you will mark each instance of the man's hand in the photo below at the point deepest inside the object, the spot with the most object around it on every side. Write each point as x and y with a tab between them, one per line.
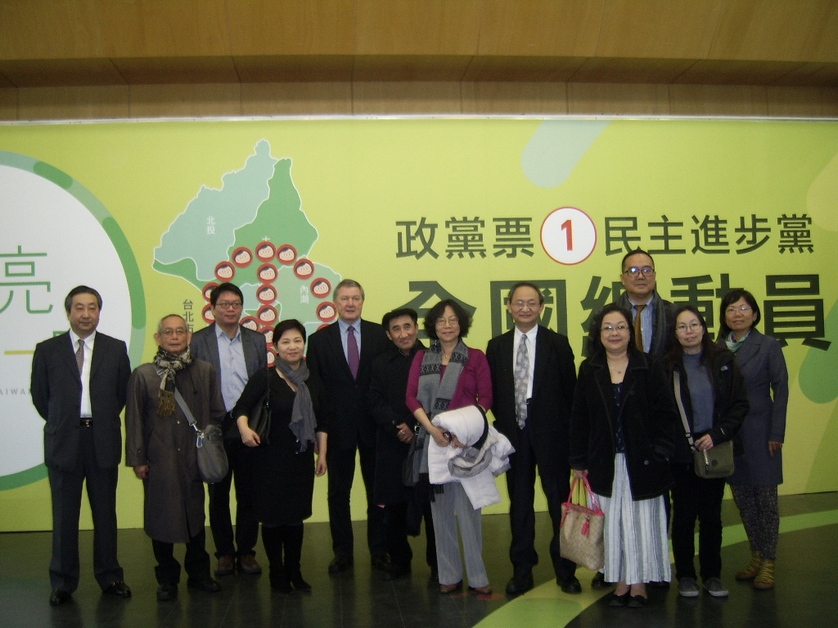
141	471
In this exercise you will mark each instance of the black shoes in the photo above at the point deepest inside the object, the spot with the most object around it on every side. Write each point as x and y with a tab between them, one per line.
619	601
519	585
118	589
395	572
569	585
599	582
340	564
58	597
166	592
380	561
208	585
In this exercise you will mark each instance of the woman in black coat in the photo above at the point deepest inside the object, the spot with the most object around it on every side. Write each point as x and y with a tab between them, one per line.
621	437
284	464
712	392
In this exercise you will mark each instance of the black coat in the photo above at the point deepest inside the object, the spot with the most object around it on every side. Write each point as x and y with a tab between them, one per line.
345	410
729	408
386	401
554	382
283	475
649	419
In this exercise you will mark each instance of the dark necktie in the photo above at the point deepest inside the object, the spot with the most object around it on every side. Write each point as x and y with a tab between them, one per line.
352	351
638	327
80	356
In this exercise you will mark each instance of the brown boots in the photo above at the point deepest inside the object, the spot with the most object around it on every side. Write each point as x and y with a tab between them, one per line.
760	570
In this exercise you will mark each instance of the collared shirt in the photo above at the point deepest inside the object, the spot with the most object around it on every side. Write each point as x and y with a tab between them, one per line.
647	317
86	407
233	368
531	336
344	330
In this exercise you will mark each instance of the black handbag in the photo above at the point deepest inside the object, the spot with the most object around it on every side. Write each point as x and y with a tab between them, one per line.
259	417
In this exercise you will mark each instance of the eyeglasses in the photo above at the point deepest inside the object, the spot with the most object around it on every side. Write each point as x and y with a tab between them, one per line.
620	328
520	305
634	271
692	327
180	331
441	322
224	305
742	308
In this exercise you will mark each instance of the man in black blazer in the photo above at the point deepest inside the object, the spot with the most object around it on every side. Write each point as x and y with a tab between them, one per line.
538	425
79	383
333	352
244	352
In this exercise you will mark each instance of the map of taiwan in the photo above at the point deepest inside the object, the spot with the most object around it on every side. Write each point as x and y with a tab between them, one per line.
253	232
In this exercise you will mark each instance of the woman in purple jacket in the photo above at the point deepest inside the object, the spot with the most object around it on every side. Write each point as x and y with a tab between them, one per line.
448	376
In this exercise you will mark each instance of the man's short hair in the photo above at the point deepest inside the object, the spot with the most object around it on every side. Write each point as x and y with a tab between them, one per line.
398	313
635	252
525	284
68	300
348	283
160	322
225	287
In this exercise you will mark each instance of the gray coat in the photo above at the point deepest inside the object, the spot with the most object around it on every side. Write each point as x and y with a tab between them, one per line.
174	492
761	361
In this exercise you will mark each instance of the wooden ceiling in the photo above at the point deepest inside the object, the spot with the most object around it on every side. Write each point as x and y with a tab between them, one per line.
139	42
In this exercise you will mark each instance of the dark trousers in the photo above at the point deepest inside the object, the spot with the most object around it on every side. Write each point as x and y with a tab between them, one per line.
696	498
520	481
196	562
395	528
341	474
247	526
283	547
66	489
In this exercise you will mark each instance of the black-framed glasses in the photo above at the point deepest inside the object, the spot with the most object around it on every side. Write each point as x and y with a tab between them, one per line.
634	271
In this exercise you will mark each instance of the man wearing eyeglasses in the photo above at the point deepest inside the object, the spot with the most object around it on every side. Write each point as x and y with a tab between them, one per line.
236	353
533	381
642	300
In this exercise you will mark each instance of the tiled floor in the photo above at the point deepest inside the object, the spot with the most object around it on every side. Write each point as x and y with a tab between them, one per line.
803	596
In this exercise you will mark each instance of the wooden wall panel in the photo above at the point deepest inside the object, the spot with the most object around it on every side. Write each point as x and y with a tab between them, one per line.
46	29
167	70
631	70
161	28
540	28
296	99
73	103
407	27
617	99
60	72
810	102
515	98
189	101
8	103
718	100
372	98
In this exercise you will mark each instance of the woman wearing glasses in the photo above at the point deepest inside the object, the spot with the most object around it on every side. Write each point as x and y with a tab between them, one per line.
621	438
712	394
760	470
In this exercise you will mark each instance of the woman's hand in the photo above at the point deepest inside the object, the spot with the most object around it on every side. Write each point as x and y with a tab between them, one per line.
773	447
141	471
455	442
440	437
249	437
580	473
704	443
320	467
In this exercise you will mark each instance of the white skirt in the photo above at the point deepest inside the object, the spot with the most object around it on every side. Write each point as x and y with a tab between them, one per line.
636	545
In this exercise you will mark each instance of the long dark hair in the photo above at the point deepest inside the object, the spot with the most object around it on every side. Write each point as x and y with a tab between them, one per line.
732	297
676	352
595	341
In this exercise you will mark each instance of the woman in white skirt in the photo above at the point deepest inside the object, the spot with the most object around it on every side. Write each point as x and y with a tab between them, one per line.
621	437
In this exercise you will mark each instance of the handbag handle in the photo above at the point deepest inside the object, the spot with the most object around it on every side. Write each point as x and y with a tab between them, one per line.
593	504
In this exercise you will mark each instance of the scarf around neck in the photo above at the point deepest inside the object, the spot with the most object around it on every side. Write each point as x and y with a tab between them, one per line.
302	413
435	392
168	364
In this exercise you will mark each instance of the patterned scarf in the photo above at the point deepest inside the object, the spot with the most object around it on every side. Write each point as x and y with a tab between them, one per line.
302	413
168	364
435	393
734	345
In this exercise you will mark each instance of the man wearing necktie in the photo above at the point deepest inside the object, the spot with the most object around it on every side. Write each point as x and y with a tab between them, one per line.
342	354
651	314
533	381
79	384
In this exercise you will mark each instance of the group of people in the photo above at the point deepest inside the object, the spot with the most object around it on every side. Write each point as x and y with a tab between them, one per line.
377	394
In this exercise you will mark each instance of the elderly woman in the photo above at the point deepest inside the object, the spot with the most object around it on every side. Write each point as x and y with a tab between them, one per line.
449	376
284	462
760	470
712	394
621	438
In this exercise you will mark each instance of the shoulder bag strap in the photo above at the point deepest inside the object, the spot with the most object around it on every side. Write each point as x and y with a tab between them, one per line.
676	382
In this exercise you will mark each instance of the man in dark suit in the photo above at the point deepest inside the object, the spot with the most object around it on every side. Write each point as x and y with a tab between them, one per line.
79	384
236	353
533	380
654	327
342	355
